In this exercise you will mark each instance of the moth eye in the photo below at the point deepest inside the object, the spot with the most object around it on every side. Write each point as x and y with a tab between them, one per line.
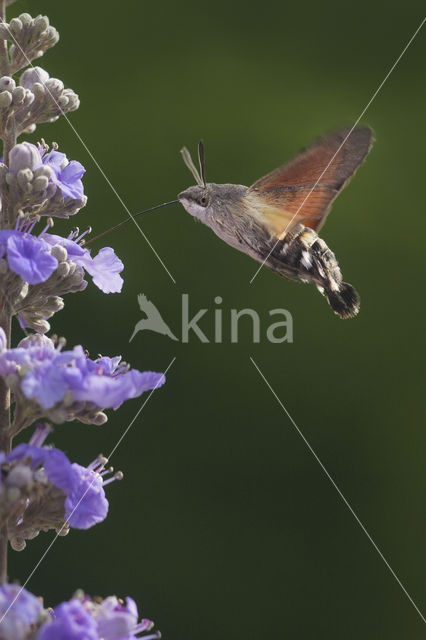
203	201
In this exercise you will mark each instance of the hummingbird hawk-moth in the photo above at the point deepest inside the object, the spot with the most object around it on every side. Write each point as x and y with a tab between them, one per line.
276	221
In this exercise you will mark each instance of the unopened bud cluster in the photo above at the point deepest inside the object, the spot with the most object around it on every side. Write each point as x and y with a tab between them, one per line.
29	503
29	37
37	98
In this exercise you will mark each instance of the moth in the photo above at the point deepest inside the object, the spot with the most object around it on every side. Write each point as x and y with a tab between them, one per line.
276	221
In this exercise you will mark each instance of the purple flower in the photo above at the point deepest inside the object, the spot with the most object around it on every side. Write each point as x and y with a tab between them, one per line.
24	612
104	268
63	173
108	387
71	621
86	619
50	375
118	621
66	174
85	503
29	257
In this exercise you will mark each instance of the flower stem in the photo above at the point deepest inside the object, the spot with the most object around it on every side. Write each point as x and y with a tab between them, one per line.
5	437
5	323
5	314
4	57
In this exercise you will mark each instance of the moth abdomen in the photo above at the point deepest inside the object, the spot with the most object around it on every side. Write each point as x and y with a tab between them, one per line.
307	256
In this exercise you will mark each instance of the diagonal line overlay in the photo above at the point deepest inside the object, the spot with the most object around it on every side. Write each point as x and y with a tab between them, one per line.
337	489
282	234
96	163
81	498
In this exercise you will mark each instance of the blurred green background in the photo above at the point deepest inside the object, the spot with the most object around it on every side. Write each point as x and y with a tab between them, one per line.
225	525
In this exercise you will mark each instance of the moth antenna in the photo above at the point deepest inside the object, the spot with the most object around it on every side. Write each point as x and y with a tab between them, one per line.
191	166
202	161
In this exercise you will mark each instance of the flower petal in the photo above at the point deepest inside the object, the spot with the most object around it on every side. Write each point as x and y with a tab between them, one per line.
30	258
85	504
104	269
70	621
73	171
55	160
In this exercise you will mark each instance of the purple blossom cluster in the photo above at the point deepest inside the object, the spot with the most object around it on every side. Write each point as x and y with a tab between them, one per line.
66	385
40	488
31	257
58	171
37	472
81	618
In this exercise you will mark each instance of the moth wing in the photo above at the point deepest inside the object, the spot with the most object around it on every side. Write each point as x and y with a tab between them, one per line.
303	190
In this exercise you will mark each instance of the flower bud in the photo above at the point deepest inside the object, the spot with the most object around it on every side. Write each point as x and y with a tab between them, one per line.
63	269
38	90
73	100
40	183
7	83
41	325
63	101
32	75
30	129
29	98
99	418
40	476
25	18
63	531
24	156
35	340
5	99
15	26
24	176
59	252
18	544
44	170
53	305
41	23
76	278
52	36
54	86
18	95
23	292
20	476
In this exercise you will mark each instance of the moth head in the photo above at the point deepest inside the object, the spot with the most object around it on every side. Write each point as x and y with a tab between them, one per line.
196	199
